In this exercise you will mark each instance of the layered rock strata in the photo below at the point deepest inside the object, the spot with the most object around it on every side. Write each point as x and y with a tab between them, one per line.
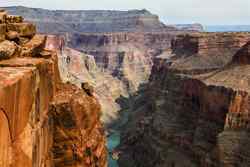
77	67
43	121
196	113
55	21
115	64
209	43
127	56
199	52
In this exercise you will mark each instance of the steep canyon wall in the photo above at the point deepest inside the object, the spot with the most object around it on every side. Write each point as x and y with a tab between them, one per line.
196	110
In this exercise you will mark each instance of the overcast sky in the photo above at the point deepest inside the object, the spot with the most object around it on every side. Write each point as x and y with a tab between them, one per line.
207	12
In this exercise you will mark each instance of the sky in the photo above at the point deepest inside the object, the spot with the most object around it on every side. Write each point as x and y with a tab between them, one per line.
206	12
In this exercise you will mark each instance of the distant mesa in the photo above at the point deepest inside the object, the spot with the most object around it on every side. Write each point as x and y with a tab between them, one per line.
190	27
96	21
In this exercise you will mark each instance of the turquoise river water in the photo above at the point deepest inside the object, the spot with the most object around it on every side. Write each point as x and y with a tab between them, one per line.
113	141
114	138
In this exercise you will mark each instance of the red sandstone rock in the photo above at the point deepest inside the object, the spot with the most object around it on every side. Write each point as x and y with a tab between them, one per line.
44	122
8	49
34	46
12	35
76	116
23	119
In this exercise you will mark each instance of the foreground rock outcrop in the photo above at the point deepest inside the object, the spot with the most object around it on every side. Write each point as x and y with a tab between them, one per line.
44	122
195	107
79	138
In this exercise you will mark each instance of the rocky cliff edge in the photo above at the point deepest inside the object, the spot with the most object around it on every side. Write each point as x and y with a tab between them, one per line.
43	121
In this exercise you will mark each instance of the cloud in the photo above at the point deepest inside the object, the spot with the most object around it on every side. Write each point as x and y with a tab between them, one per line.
177	11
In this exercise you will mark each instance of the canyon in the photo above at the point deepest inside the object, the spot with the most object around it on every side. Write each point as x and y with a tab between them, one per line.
195	106
115	64
166	92
112	50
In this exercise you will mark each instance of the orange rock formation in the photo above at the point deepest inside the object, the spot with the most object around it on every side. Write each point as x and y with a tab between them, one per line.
44	122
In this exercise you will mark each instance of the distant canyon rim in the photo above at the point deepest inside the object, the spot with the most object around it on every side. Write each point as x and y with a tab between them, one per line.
168	91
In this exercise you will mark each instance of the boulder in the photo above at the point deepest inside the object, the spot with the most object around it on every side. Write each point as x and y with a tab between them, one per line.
7	49
34	46
24	29
12	35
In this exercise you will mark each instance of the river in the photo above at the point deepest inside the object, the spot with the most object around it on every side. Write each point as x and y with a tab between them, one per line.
114	138
113	141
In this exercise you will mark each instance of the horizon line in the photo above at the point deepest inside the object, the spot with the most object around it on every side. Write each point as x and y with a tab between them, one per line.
126	10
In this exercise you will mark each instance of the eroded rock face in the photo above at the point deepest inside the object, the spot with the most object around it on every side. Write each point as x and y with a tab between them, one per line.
79	139
200	52
27	88
210	43
34	106
191	111
5	140
77	67
127	56
115	64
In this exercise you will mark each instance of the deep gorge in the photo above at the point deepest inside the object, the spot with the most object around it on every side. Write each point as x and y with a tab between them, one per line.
149	92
